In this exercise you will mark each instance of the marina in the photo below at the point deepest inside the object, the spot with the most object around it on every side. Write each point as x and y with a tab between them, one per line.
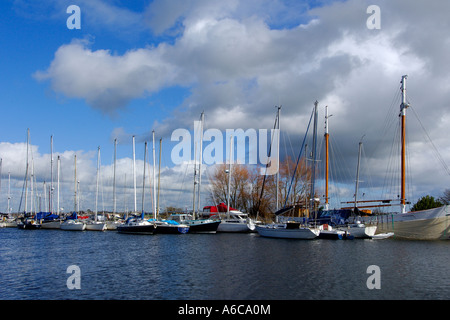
262	111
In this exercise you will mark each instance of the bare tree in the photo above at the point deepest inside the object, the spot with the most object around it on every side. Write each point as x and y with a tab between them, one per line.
445	198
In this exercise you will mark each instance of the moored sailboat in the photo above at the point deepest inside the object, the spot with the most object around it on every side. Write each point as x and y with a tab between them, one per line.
294	229
72	223
431	224
96	225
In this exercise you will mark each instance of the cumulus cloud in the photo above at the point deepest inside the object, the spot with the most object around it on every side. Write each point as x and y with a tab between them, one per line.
240	58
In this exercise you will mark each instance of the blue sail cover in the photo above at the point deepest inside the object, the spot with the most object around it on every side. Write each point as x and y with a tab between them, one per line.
333	217
73	216
47	216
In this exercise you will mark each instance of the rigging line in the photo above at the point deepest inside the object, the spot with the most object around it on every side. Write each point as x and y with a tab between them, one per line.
270	155
438	155
390	116
299	156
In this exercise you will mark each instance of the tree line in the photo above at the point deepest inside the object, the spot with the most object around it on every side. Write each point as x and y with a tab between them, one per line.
256	194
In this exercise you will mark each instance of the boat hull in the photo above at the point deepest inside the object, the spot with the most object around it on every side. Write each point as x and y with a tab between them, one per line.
96	226
277	231
136	229
55	224
112	225
360	232
432	224
27	225
234	226
203	226
72	226
171	229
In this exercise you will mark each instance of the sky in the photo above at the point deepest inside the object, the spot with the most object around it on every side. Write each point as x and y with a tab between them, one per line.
134	67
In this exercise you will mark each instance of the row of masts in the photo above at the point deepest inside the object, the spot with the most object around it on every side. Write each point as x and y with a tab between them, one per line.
155	201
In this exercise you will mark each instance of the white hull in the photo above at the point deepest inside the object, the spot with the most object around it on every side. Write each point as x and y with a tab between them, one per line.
432	224
112	225
10	224
51	225
360	231
235	226
96	226
280	231
72	225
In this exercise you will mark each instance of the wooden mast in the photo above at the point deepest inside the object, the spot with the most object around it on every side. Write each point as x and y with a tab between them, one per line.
403	107
326	157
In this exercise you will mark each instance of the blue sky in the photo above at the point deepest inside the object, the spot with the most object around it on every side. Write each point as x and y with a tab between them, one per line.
139	66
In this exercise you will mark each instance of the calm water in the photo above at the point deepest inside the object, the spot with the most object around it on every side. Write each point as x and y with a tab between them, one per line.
216	266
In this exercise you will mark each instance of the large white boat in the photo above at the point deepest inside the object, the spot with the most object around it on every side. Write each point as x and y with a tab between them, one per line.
288	230
73	225
136	225
96	225
236	221
431	224
231	220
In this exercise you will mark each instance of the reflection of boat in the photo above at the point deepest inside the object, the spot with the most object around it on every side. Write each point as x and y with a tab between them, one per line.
382	235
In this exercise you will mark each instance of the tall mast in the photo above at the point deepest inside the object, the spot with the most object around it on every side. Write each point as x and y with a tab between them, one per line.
403	107
154	177
9	192
26	172
134	174
57	186
143	179
278	158
96	190
159	175
75	185
195	179
114	177
313	173
357	174
200	160
229	177
326	157
51	176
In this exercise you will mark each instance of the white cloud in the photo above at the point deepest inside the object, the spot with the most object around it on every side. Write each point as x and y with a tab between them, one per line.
239	63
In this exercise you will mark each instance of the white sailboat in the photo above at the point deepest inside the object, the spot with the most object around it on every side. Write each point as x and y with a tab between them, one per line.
355	228
113	222
431	224
72	223
29	221
96	225
51	221
293	229
137	224
235	220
